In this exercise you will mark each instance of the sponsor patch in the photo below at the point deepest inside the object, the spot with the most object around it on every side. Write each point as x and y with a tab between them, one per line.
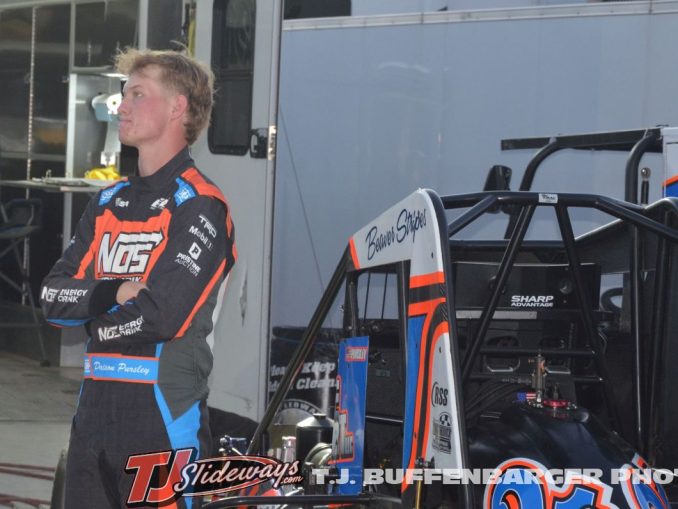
356	354
184	193
159	204
108	194
187	261
194	230
208	226
195	251
49	294
67	295
128	253
406	227
548	198
532	301
439	395
124	329
442	433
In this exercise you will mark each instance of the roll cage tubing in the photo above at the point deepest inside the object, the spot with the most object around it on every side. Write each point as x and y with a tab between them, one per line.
637	219
636	142
627	214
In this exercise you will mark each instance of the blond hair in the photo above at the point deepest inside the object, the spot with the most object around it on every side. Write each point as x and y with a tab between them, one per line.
181	74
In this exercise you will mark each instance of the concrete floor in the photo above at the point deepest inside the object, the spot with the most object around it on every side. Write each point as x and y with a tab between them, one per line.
36	408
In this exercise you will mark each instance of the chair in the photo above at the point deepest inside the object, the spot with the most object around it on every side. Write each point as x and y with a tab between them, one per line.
19	219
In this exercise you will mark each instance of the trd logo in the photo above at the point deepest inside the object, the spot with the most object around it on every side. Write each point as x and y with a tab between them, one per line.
128	253
439	395
208	226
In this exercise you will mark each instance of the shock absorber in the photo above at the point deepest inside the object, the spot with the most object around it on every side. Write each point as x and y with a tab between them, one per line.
539	378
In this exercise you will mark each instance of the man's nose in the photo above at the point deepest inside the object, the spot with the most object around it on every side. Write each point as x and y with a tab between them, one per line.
123	109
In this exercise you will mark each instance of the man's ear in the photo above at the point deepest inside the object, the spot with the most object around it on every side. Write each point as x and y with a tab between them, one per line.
179	106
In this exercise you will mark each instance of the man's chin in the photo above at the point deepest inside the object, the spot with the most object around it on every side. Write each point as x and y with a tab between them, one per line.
127	141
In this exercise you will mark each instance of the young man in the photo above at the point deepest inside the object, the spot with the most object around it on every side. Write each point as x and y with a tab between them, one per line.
142	274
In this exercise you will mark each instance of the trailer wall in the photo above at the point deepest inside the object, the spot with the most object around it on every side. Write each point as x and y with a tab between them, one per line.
374	107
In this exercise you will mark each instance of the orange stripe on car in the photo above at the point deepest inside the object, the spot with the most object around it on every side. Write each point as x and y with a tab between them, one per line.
427	279
428	308
354	253
424	348
422	308
442	328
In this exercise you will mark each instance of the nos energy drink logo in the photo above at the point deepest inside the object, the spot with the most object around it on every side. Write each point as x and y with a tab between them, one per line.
127	254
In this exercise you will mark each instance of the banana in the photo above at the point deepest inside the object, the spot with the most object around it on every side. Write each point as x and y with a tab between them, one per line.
107	173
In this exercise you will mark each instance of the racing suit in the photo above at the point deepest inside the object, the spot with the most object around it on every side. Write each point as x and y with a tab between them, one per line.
146	361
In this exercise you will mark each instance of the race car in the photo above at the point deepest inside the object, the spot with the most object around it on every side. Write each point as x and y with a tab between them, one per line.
502	374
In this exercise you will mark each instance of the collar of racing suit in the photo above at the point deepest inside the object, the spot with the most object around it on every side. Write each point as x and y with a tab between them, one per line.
167	173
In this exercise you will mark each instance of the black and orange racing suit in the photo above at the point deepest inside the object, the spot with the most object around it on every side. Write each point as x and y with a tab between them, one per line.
147	361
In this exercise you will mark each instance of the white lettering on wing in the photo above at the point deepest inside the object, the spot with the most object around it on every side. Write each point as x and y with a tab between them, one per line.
408	223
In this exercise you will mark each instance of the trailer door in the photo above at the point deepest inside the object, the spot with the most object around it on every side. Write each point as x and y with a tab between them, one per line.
240	40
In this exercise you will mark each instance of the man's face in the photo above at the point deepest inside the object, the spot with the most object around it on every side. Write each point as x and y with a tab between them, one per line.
146	108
